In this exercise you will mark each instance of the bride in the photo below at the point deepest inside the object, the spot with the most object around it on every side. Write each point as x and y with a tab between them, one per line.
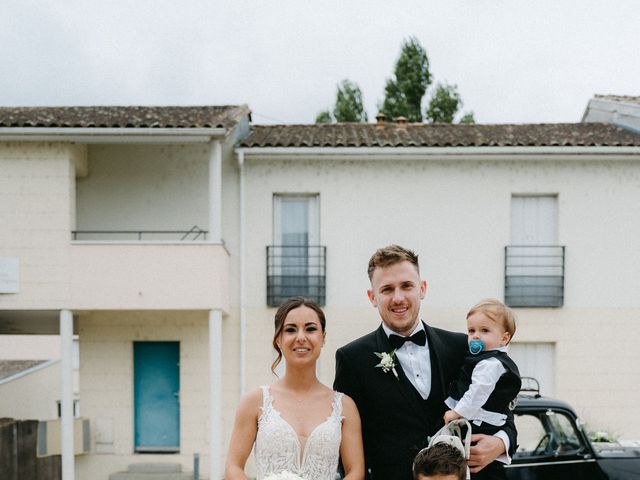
298	425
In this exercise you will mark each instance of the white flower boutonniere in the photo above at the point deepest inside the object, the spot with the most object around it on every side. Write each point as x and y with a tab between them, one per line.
387	362
284	475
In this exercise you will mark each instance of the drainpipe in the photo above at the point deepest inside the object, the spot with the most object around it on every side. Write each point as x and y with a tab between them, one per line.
66	407
215	394
215	192
242	289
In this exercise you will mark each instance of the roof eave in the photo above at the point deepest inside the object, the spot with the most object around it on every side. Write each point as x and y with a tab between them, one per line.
112	135
450	153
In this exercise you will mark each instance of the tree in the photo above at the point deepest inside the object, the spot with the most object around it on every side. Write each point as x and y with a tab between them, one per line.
444	104
324	117
404	92
348	107
468	118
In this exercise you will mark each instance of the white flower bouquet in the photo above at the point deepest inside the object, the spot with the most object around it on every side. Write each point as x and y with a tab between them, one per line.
284	475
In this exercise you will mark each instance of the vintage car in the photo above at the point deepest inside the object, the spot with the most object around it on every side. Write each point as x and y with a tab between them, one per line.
553	444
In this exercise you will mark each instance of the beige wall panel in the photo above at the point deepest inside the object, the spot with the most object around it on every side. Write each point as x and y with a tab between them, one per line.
36	207
144	276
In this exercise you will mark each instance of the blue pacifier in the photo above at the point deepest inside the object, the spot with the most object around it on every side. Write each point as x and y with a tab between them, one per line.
476	346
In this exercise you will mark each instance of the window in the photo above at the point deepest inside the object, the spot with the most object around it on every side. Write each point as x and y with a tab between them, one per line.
536	360
295	261
534	262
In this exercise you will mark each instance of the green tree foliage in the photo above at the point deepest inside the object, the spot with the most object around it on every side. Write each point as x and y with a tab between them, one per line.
404	92
349	106
468	118
444	104
324	117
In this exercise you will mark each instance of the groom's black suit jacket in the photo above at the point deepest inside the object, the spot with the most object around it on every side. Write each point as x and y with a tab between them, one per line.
395	419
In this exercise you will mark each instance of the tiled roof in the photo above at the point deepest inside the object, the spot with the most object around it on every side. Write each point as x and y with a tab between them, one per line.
619	98
12	367
123	117
439	135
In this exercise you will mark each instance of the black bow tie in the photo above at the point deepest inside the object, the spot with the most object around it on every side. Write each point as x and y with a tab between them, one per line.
419	338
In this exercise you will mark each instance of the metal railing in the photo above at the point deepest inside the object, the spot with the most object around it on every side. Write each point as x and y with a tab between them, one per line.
296	271
534	275
193	234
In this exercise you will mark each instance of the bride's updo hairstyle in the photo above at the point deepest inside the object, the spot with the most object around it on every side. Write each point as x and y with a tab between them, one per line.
281	314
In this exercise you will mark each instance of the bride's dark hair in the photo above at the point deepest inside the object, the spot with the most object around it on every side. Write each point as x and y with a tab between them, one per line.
281	314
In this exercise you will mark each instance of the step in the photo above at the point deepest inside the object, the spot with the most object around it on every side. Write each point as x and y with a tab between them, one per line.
155	467
150	476
152	471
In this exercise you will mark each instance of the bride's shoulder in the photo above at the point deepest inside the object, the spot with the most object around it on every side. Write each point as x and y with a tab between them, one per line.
348	405
251	402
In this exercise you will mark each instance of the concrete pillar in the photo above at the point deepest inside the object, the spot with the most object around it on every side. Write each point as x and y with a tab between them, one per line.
215	192
66	421
215	394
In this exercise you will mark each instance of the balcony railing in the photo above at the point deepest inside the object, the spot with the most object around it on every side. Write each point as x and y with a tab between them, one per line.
296	271
534	275
193	234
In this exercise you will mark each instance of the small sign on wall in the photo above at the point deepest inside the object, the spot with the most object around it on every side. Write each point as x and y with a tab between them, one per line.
9	275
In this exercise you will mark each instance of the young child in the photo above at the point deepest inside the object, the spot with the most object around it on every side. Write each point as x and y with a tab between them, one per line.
489	380
441	461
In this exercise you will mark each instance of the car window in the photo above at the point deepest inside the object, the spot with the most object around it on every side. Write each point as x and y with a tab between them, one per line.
530	432
546	433
566	436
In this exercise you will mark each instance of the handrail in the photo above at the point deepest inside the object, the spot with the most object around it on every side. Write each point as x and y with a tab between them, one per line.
140	234
296	270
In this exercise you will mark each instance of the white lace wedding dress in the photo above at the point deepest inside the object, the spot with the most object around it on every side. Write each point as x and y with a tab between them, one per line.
277	446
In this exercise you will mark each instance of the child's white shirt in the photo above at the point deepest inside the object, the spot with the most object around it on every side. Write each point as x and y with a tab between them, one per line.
484	377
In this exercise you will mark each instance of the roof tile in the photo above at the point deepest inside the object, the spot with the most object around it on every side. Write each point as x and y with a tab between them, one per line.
123	117
439	135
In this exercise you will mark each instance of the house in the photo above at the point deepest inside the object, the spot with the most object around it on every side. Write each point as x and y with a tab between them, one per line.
113	228
620	110
542	216
164	237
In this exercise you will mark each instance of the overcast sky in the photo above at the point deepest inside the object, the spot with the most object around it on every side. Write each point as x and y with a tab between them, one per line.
514	61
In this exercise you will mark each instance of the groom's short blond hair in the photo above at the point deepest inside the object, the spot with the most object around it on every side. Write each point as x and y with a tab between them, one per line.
391	255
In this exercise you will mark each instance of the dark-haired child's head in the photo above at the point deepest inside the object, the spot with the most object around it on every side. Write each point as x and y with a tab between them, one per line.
440	462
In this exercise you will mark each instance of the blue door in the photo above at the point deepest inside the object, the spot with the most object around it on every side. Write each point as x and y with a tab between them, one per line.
156	374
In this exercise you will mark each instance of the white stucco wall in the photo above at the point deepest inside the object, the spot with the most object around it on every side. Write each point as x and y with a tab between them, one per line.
456	215
32	396
144	187
106	372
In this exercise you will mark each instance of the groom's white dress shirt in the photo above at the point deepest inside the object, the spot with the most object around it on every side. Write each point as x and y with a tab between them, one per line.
416	364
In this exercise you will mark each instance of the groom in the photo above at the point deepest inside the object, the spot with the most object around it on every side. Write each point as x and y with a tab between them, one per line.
403	403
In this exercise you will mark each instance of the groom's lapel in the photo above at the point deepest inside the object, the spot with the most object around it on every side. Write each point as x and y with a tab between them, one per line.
402	383
437	352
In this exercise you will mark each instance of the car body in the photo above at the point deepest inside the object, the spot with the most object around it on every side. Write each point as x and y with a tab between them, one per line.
552	444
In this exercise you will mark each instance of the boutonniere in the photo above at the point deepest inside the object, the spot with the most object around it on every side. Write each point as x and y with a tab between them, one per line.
387	362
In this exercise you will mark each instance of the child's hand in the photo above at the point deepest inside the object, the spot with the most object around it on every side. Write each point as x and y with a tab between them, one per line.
450	415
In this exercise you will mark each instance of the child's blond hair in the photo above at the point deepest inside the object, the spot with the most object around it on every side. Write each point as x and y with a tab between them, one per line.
498	312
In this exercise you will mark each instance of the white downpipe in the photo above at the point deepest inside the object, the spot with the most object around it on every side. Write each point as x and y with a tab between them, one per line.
66	420
243	326
215	394
215	192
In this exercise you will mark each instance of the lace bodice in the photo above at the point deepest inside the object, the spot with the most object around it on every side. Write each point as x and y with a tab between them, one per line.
278	446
